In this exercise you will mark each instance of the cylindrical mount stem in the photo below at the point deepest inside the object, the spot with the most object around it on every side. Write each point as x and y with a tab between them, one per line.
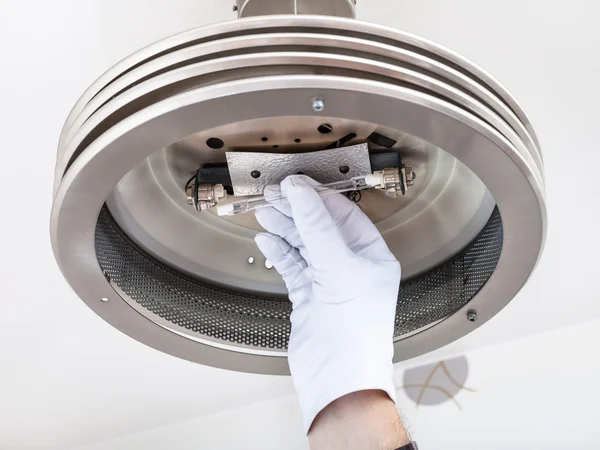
339	8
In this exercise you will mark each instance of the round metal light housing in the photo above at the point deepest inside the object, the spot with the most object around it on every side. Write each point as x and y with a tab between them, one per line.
468	234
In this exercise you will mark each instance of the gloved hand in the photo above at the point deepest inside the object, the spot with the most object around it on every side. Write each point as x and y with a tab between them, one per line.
343	283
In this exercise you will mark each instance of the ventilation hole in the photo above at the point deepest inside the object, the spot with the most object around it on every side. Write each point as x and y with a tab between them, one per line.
325	128
215	143
344	169
255	174
276	146
297	140
264	139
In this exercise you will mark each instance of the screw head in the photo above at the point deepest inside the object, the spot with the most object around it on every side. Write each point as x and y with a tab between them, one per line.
325	128
472	316
318	105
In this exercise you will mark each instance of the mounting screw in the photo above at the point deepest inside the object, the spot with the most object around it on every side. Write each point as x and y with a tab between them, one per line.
104	299
251	260
472	315
318	105
325	128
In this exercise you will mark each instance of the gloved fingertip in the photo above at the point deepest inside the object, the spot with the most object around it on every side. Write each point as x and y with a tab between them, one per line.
272	191
298	191
271	246
297	182
289	184
263	239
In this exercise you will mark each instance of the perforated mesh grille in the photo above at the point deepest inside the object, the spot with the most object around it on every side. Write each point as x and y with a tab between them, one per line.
263	322
440	292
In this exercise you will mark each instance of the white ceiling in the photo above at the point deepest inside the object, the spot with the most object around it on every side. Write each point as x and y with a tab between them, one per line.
68	378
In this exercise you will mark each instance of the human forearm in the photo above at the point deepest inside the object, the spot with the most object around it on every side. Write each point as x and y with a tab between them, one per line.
361	420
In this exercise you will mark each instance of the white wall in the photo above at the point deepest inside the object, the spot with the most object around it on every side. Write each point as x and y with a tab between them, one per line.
539	392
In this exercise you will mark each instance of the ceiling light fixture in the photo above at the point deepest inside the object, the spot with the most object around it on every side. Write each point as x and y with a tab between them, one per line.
289	76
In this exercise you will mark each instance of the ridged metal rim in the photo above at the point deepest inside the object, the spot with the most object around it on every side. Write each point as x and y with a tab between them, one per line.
370	69
510	175
154	75
304	23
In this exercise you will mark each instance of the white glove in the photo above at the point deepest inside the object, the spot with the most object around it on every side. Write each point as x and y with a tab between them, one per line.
343	283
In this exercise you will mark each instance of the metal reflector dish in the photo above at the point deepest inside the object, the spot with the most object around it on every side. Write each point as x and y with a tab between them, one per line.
468	233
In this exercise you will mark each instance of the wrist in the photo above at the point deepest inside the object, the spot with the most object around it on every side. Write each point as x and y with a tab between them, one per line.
362	419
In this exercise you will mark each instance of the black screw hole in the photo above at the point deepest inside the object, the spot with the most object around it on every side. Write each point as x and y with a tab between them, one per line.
215	143
276	146
255	174
325	128
264	139
297	140
344	169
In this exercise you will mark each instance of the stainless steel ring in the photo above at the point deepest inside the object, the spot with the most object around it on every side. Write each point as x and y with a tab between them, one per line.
254	44
256	24
509	173
126	100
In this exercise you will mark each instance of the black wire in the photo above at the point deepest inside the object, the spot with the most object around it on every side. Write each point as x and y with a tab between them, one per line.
190	180
354	196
